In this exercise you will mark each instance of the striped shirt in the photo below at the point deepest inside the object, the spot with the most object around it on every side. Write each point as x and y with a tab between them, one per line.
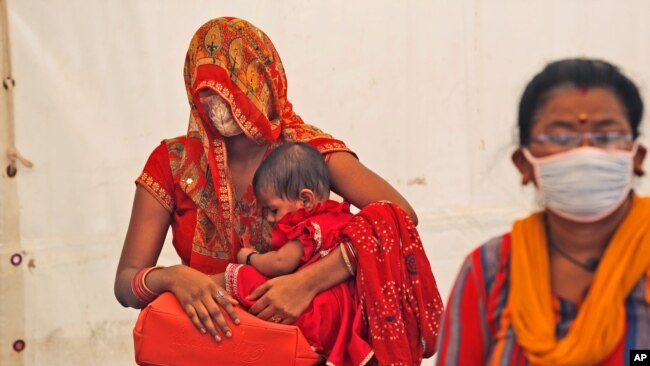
473	316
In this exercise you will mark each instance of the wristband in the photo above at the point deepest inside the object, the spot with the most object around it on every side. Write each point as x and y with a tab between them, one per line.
248	257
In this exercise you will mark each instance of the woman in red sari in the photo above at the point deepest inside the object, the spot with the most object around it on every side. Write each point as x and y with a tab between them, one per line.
200	185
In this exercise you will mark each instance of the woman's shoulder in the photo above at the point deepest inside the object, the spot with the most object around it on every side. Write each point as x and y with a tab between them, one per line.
489	260
167	154
495	251
180	142
176	150
174	141
170	144
160	156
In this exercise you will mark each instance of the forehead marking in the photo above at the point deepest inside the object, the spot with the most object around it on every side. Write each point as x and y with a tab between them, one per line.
582	118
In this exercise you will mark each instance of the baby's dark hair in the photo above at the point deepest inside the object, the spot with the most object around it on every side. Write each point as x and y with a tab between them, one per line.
580	73
290	168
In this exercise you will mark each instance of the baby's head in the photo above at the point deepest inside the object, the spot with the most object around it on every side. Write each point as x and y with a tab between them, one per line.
293	176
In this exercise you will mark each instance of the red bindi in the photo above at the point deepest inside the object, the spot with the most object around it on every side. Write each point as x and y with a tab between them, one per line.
582	118
583	90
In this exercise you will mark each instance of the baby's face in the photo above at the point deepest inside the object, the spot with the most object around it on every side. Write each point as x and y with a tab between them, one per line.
275	207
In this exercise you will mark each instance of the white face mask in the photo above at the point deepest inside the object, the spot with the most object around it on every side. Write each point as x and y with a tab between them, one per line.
584	184
219	113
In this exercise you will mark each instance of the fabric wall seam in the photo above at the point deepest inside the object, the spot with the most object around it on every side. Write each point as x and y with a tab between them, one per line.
12	310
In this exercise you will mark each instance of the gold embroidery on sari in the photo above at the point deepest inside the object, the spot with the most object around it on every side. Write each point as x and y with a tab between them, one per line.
150	184
175	149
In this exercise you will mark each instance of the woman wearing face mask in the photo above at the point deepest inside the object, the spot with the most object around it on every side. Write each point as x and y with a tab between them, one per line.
568	285
200	185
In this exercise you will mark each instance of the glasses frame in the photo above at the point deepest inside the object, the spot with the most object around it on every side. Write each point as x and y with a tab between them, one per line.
575	138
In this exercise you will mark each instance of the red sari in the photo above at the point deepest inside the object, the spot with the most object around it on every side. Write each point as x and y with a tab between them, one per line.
328	322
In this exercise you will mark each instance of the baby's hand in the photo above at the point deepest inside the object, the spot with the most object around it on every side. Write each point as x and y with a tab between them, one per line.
243	253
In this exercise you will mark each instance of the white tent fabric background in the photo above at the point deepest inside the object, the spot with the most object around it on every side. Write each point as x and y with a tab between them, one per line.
425	92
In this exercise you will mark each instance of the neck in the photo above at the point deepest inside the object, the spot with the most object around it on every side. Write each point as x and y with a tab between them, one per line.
585	239
242	149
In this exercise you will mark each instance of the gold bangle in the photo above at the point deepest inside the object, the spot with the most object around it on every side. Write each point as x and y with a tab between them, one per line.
344	254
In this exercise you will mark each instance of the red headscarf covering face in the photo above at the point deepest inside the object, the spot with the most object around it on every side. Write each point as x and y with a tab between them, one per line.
237	61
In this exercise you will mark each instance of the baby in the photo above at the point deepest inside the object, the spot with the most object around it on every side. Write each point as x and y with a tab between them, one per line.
292	185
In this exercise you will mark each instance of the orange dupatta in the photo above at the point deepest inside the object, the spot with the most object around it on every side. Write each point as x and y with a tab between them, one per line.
600	322
238	61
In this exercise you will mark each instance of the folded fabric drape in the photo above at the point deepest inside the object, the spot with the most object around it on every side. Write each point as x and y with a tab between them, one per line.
400	306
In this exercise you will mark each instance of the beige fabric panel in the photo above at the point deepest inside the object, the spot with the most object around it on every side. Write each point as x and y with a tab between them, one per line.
424	91
12	290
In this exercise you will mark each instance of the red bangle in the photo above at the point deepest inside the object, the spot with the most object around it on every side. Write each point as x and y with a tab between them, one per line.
231	274
139	287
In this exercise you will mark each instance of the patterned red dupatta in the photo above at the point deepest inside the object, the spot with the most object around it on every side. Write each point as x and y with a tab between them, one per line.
399	301
238	61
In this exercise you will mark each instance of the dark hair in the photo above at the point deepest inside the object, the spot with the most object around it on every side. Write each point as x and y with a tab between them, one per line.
581	73
290	168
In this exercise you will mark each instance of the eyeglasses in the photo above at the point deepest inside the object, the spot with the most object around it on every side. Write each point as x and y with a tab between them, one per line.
569	140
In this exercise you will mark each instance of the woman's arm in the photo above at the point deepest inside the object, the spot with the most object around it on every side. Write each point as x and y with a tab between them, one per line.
142	245
289	296
360	185
196	291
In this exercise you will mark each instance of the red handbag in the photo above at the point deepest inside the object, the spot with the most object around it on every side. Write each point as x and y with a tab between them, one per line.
164	335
